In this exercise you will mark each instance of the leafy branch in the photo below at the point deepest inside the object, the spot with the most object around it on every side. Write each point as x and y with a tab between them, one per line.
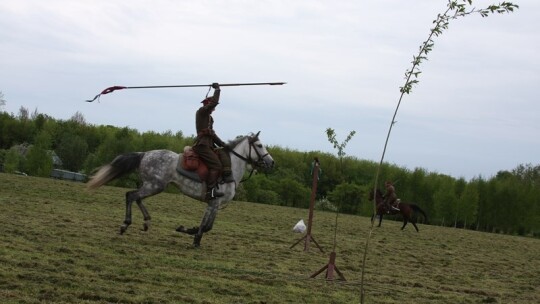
455	9
341	153
340	147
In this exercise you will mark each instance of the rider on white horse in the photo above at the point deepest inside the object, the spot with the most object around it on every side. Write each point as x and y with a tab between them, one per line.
204	145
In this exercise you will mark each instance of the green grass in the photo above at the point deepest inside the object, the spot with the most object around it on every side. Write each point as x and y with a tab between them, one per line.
60	244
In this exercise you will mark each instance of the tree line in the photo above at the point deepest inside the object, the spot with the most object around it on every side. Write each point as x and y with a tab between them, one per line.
508	202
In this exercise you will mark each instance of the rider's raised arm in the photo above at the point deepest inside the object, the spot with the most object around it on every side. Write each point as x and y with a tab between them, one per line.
217	92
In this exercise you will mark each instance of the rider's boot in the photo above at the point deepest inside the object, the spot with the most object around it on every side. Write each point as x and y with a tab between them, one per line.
212	192
227	177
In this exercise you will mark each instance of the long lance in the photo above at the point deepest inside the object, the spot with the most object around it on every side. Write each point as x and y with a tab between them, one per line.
116	88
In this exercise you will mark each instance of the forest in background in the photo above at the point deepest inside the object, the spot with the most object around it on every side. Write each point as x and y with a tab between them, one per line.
508	202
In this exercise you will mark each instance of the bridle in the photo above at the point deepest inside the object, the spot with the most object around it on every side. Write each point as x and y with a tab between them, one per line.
259	163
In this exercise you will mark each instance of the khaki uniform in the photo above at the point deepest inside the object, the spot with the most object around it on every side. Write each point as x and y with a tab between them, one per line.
207	140
390	197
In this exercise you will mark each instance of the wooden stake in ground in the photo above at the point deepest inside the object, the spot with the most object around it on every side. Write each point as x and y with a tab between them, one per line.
308	237
330	268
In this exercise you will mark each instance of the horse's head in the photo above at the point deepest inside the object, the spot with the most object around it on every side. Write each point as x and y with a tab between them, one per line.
260	158
251	150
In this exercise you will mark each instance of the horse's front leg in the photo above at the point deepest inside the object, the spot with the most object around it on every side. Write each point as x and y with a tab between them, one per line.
145	213
380	219
207	221
190	231
405	221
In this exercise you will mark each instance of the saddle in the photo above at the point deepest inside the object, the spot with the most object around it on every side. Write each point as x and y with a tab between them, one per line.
191	166
384	207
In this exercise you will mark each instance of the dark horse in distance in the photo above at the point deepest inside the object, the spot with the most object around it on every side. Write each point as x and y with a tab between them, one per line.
407	210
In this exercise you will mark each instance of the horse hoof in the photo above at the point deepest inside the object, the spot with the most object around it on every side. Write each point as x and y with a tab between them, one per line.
122	230
146	226
181	229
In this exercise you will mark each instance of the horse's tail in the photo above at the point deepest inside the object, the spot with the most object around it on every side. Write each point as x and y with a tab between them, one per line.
418	209
121	165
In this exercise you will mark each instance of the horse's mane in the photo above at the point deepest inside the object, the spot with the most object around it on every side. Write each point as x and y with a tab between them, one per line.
378	194
237	140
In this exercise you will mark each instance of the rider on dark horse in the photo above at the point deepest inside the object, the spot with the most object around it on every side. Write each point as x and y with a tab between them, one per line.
208	144
390	198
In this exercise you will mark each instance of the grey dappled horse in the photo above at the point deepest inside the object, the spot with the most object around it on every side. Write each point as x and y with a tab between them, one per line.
158	168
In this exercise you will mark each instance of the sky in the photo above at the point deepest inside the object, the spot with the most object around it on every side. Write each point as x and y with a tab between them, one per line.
473	113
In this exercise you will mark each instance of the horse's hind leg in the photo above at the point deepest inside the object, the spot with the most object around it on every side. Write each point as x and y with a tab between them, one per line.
414	224
137	196
145	213
127	219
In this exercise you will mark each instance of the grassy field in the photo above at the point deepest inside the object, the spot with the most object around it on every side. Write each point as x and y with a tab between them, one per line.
60	244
